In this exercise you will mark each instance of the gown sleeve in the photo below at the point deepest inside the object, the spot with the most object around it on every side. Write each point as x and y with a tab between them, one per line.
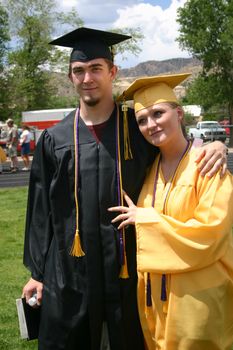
167	245
39	232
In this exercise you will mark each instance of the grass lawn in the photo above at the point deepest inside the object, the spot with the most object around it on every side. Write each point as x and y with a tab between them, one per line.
12	272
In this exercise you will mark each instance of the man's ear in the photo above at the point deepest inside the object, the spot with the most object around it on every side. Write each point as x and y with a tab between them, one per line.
70	77
114	71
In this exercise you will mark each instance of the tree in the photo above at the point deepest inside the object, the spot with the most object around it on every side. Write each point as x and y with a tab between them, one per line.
4	36
32	25
131	45
206	31
4	39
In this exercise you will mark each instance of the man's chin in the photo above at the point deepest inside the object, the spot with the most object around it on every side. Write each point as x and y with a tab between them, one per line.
91	102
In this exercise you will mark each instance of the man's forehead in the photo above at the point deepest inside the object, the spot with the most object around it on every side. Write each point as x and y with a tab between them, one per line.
96	61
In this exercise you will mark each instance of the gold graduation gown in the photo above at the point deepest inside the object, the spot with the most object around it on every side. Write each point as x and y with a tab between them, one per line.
189	240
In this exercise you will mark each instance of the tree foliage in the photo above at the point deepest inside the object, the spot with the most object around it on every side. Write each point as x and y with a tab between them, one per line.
33	24
206	31
131	45
4	35
4	39
201	90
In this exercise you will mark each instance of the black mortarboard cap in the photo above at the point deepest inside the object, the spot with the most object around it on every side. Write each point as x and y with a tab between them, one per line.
89	44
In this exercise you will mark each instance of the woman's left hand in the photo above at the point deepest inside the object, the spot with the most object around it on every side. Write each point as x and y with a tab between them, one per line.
128	214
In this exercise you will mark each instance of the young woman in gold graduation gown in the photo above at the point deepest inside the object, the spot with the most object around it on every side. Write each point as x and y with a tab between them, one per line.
184	232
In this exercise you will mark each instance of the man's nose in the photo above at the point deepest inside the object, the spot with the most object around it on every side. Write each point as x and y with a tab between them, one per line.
87	77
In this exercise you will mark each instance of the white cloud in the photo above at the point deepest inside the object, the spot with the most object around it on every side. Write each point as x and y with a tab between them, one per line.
159	28
157	19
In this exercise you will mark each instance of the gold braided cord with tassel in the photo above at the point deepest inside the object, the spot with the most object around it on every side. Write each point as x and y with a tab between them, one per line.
127	148
124	268
76	249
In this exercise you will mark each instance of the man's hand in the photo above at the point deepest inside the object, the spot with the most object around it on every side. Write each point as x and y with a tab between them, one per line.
32	287
212	157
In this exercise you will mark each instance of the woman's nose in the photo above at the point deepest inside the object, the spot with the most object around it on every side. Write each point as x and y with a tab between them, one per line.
151	123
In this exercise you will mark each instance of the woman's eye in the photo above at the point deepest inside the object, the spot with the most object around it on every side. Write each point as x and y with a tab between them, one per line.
141	121
157	114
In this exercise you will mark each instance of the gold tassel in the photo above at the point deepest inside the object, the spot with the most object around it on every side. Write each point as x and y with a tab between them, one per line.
76	249
124	268
127	148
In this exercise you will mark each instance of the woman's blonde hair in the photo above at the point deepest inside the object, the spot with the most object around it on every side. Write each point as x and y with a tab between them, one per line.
174	105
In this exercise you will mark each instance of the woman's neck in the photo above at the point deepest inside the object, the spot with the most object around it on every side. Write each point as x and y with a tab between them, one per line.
171	156
174	150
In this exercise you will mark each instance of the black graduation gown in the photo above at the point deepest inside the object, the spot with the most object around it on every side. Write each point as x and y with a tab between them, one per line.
79	293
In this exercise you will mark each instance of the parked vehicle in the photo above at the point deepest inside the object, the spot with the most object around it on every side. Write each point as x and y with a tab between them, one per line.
208	131
43	119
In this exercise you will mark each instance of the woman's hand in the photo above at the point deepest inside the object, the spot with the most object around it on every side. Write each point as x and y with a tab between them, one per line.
211	158
128	214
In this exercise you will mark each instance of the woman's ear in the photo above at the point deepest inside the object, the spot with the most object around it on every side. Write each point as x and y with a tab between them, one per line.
180	113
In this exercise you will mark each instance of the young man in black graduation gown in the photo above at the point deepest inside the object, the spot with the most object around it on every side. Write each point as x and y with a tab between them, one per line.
76	176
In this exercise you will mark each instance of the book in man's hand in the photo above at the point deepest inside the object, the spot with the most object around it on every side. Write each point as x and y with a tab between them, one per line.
29	319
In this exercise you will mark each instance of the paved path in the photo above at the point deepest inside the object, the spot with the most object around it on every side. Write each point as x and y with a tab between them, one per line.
21	178
8	179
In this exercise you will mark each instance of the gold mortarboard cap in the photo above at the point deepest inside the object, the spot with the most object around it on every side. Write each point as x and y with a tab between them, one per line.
148	91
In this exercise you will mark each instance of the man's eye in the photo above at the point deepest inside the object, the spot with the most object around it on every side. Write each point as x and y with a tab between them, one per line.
77	71
96	69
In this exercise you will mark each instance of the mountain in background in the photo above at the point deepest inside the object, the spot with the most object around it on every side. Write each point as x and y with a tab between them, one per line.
150	68
126	76
173	65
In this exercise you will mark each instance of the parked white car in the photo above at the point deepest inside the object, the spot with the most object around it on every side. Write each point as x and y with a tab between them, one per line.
208	131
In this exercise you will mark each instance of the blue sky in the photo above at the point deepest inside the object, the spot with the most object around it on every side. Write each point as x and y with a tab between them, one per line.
163	3
156	18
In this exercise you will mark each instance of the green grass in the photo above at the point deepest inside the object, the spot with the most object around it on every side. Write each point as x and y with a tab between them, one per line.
13	274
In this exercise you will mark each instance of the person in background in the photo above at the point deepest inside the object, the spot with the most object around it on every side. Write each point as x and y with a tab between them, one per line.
2	158
183	229
11	144
24	141
83	269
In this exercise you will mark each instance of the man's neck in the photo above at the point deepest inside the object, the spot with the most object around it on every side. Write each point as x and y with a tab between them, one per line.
93	115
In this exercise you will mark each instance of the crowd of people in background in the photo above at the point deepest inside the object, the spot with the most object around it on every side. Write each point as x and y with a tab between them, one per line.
17	140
